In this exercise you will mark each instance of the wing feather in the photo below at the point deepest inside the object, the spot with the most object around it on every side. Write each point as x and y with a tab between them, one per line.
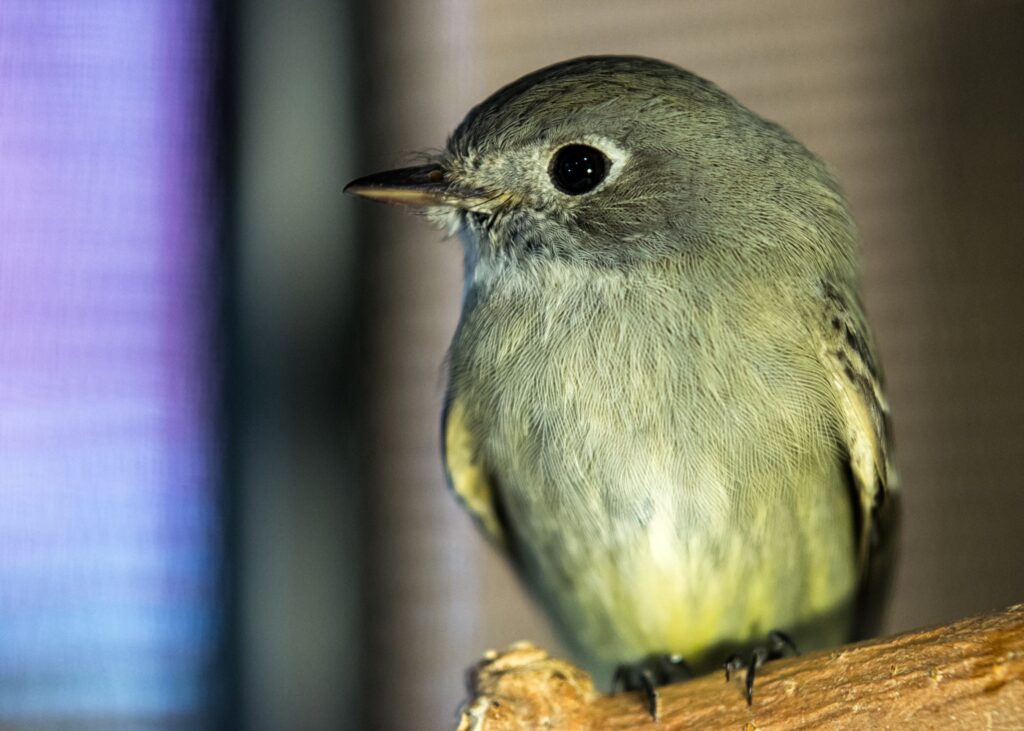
467	475
866	440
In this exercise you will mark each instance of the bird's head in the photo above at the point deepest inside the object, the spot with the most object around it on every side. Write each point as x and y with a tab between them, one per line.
609	160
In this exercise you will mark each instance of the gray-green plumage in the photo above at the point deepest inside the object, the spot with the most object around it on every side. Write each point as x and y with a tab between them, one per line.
663	401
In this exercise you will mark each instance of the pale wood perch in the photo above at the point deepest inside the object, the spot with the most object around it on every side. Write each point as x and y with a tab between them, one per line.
965	675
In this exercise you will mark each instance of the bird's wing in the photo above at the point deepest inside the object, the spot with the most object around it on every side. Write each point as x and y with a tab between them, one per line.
467	476
866	440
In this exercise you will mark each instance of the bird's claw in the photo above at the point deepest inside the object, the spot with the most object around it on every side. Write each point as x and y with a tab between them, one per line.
778	643
648	675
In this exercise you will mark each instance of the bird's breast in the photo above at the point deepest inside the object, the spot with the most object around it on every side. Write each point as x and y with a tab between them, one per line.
597	388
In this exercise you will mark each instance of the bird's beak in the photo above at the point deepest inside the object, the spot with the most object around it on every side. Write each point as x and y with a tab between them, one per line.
422	186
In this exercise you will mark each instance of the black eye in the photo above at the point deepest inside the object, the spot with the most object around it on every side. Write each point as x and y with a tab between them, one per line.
578	169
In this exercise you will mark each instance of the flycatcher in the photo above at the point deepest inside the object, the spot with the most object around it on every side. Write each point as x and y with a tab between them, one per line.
664	401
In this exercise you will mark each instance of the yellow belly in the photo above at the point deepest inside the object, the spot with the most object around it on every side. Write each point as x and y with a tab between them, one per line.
722	584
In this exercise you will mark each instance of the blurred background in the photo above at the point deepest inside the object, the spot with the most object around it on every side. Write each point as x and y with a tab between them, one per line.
221	499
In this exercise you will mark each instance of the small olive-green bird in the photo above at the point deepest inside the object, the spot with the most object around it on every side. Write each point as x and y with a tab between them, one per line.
664	403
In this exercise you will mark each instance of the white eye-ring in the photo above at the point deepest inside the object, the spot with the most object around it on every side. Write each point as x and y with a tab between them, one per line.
581	167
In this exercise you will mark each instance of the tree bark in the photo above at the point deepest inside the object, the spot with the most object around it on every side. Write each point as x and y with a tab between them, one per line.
964	675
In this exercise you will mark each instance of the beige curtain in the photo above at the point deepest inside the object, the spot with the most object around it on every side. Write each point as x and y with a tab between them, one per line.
917	107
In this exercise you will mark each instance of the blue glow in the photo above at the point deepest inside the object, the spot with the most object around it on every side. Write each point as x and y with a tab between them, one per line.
107	560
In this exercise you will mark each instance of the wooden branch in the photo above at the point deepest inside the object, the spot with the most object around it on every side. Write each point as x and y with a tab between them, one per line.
965	675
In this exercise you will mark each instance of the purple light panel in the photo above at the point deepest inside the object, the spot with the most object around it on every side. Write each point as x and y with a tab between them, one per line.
107	564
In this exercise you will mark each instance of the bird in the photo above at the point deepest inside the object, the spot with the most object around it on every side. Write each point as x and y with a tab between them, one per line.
664	401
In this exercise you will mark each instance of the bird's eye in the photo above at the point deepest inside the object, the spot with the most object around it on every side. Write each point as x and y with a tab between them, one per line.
578	169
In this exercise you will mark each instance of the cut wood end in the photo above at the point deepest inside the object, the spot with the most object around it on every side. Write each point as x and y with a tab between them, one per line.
522	687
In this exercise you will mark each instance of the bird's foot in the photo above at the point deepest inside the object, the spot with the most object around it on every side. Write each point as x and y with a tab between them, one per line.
778	643
648	675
